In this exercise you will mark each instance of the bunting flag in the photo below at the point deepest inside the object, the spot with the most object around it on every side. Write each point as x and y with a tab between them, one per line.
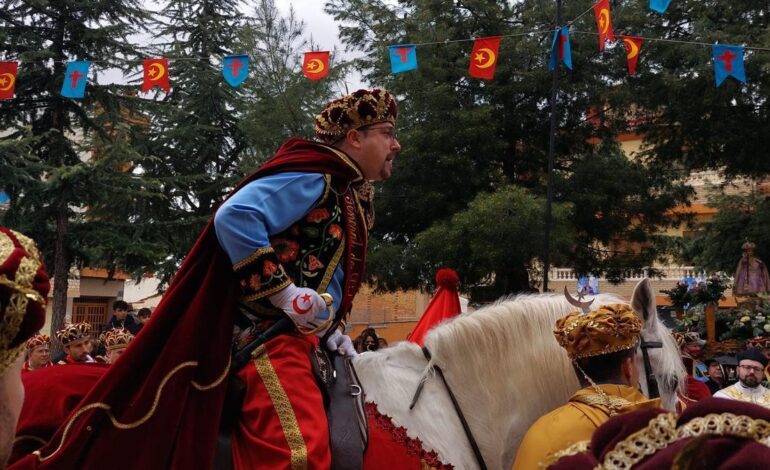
484	58
316	65
75	79
560	49
403	58
8	79
604	22
235	69
728	62
633	48
659	6
156	74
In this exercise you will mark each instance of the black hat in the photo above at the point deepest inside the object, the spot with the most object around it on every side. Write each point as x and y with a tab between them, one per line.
752	355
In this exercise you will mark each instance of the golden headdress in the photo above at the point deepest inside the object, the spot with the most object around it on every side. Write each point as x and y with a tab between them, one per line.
608	329
358	109
38	340
24	287
73	332
116	338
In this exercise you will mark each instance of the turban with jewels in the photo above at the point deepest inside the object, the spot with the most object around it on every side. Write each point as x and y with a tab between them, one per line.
358	109
24	287
608	329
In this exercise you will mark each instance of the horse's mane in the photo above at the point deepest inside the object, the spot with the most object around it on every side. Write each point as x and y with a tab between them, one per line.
509	340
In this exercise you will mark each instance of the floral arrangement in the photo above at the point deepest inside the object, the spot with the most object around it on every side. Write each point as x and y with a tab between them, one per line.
750	321
708	291
694	319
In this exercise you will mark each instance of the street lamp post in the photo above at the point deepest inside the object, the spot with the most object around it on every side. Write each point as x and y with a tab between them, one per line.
551	145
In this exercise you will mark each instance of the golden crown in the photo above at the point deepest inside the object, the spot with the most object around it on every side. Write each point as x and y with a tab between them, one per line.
116	338
73	332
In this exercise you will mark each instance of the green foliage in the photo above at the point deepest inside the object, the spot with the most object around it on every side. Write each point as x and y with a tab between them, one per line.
750	322
709	291
462	138
717	243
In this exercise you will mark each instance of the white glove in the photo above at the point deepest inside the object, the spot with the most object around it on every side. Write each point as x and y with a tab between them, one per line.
341	343
300	304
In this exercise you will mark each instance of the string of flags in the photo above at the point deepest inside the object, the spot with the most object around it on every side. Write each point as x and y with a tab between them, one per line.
728	59
235	70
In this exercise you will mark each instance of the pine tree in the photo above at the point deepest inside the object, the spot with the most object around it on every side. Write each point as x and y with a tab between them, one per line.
194	131
61	158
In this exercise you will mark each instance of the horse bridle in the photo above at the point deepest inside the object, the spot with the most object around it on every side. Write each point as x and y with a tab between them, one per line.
456	405
652	382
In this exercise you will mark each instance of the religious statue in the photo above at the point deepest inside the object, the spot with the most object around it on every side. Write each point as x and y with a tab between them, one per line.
751	275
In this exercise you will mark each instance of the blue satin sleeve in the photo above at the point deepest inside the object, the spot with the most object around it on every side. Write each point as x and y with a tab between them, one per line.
265	207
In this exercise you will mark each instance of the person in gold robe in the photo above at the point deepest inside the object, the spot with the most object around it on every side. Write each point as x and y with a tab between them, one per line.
602	345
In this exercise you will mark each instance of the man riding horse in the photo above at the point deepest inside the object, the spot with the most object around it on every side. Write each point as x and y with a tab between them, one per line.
296	228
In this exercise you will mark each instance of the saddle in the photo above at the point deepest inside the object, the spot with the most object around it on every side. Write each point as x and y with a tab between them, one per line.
344	402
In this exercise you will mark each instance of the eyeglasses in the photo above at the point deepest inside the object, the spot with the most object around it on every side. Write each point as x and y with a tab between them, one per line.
390	131
751	368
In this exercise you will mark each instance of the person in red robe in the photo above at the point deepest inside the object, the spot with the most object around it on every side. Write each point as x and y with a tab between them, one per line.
249	268
24	287
38	353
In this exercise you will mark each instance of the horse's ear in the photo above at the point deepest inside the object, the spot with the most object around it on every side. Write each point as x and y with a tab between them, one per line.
643	300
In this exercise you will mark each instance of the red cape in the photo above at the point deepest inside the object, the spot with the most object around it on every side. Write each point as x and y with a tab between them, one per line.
159	406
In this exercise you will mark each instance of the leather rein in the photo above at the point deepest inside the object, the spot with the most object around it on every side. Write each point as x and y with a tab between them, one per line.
652	382
456	405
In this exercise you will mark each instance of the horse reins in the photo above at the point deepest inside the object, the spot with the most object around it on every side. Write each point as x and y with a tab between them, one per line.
458	410
652	382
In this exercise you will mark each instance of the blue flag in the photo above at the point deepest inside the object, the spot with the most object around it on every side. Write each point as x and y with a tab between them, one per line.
560	49
728	62
75	79
235	69
659	5
403	58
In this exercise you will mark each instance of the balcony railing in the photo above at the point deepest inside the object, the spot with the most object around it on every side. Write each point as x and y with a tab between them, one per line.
669	273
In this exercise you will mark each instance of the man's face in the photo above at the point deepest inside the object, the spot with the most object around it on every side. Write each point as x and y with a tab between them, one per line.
693	349
120	313
750	373
11	399
78	349
114	354
378	148
39	356
715	371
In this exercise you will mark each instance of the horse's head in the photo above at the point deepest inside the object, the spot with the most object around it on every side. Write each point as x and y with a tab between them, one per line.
662	372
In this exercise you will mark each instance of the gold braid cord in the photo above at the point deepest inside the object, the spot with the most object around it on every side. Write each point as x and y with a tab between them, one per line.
283	408
108	409
577	448
662	431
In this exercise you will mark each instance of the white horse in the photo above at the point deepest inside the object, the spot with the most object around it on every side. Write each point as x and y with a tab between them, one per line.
505	368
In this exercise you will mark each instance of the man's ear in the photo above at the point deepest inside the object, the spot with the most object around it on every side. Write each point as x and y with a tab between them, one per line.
353	138
630	374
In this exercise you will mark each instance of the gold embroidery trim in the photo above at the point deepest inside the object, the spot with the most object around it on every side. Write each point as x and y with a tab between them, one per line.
6	247
611	403
268	292
663	431
347	161
335	261
108	409
252	257
577	448
327	190
18	439
286	416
